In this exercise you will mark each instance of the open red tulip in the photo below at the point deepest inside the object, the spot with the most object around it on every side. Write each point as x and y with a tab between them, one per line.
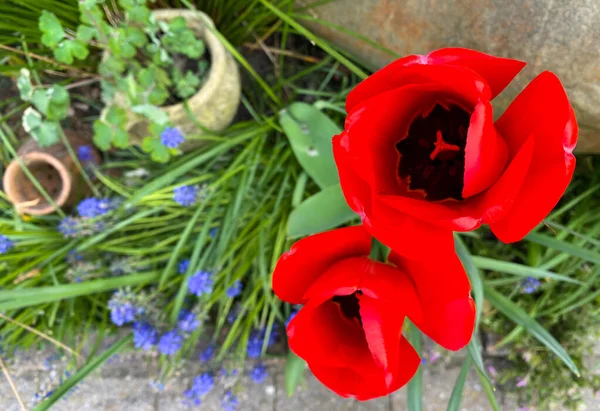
349	330
421	151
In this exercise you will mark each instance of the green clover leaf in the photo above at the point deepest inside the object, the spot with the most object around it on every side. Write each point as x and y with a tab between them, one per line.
86	33
158	152
40	100
58	103
24	85
111	129
187	85
68	49
44	132
152	113
51	28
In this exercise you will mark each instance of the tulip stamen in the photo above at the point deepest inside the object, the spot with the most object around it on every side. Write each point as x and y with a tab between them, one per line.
441	146
432	153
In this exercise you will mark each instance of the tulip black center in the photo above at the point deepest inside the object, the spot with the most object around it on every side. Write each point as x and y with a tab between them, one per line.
433	153
349	305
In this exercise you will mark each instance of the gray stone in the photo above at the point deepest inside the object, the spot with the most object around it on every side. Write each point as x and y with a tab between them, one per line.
560	36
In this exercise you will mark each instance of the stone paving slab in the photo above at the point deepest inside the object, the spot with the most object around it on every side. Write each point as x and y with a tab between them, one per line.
124	384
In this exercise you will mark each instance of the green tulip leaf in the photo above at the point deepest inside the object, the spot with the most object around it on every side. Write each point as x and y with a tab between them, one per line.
294	372
325	210
310	132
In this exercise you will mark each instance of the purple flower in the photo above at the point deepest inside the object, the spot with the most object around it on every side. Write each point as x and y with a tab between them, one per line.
530	285
121	312
185	195
200	283
171	137
94	207
256	342
229	402
68	227
259	373
5	244
201	386
170	343
121	308
85	153
235	289
183	266
73	257
206	355
187	322
213	232
522	382
144	336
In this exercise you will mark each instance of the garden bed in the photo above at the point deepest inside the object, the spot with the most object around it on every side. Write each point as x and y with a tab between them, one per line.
167	246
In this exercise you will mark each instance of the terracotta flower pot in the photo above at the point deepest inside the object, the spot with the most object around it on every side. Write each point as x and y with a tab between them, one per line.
214	106
53	168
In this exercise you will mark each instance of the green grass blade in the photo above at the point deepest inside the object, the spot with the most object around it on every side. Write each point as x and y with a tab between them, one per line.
86	370
15	299
489	390
564	247
491	264
414	399
474	276
457	391
294	372
317	40
520	317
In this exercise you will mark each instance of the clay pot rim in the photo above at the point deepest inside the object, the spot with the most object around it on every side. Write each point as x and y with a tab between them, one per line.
14	169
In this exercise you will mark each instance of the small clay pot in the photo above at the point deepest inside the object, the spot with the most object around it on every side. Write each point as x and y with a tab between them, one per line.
53	168
214	105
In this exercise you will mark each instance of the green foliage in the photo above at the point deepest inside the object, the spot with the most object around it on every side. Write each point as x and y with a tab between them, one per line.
65	50
178	38
139	68
323	211
51	106
310	133
186	85
294	372
111	130
53	32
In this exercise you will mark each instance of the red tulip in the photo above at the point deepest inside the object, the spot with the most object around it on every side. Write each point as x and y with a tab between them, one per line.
421	151
349	330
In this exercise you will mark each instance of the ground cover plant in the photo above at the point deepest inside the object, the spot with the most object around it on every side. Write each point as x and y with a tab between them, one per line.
164	254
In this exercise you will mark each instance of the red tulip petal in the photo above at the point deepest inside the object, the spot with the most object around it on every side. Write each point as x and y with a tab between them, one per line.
343	277
407	235
485	153
389	285
498	200
447	215
321	334
497	71
413	70
355	190
369	383
444	290
310	257
542	110
382	324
